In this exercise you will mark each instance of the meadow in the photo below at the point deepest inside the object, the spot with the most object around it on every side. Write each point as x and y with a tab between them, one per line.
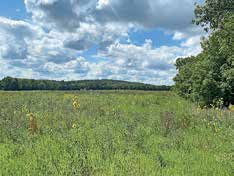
105	133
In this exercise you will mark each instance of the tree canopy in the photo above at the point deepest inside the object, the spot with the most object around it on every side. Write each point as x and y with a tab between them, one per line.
208	78
212	13
13	84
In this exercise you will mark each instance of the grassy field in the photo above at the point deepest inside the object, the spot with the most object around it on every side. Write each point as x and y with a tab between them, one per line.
112	133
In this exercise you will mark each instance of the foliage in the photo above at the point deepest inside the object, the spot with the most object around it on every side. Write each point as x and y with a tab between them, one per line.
9	83
209	77
112	133
212	13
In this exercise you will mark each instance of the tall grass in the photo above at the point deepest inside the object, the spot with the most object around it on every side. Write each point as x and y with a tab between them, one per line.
112	133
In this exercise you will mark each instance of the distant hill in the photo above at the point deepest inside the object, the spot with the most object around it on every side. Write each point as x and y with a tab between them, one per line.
10	83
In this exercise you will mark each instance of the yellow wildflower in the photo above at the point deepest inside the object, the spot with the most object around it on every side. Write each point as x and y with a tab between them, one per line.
74	125
75	98
29	115
76	104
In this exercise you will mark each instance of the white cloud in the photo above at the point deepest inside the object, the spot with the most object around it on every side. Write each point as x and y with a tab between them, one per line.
192	41
179	35
78	65
51	44
68	14
144	63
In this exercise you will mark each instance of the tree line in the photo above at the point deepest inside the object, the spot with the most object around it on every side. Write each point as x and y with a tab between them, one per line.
17	84
208	78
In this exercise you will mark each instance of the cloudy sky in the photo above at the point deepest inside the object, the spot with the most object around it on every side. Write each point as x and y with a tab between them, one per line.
133	40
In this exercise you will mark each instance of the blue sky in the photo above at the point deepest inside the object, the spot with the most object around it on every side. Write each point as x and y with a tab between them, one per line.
96	39
14	9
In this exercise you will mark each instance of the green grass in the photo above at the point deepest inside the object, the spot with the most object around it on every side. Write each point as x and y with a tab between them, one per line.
113	133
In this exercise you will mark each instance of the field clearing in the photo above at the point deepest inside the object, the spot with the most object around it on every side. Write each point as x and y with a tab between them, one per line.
112	133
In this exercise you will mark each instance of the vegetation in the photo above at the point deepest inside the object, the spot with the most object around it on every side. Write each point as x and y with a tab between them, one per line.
212	13
112	133
9	83
209	77
124	132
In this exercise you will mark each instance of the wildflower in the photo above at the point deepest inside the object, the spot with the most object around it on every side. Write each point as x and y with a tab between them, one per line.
29	115
75	98
32	123
76	104
74	125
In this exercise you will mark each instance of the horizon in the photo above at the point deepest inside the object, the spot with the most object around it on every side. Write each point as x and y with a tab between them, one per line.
115	80
134	41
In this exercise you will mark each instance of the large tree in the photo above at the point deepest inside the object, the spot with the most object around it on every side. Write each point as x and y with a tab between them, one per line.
209	77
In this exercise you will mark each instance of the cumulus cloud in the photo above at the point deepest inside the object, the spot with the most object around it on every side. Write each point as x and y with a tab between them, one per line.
144	62
102	22
51	44
168	14
28	48
13	36
78	65
68	14
53	13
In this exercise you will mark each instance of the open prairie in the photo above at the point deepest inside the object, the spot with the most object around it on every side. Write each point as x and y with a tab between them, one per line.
112	133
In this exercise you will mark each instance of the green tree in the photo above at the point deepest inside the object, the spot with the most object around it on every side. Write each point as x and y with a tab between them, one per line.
209	77
212	13
9	83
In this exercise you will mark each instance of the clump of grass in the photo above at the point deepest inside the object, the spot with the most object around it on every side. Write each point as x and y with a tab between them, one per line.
32	126
167	122
161	160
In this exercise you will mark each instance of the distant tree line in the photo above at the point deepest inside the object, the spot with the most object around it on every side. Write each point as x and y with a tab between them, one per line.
209	77
16	84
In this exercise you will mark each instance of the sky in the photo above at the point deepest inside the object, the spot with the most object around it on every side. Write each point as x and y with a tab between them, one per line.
131	40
